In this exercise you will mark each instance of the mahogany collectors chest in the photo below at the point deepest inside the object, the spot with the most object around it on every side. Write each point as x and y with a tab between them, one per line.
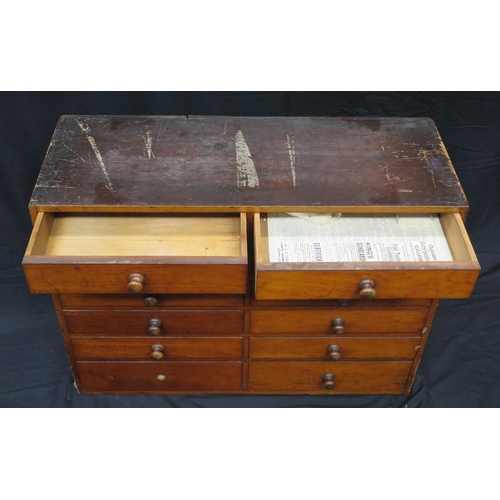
155	235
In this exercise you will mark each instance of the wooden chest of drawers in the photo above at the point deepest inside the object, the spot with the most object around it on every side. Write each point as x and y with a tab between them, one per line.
152	234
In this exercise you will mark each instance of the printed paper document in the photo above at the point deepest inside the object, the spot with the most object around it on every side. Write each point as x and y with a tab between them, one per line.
357	238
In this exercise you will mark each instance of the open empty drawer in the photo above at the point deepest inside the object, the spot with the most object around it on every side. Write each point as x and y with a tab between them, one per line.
394	271
137	253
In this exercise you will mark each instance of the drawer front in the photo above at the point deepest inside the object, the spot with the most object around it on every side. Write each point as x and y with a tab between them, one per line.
313	378
54	276
141	301
328	349
389	284
116	348
119	253
152	377
344	321
154	323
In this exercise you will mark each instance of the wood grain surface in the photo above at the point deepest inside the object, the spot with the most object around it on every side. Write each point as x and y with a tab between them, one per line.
130	170
246	164
134	302
117	348
348	348
350	377
309	321
172	322
142	377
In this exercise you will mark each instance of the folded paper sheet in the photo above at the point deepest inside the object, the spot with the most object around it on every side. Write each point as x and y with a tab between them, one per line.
357	238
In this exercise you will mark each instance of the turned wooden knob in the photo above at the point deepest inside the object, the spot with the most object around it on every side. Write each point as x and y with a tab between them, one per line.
334	351
328	382
154	326
150	301
157	351
135	283
367	289
338	326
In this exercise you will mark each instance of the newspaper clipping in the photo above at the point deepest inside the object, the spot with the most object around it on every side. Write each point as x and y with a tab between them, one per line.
357	238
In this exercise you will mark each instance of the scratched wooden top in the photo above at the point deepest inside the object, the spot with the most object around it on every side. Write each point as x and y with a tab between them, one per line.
246	163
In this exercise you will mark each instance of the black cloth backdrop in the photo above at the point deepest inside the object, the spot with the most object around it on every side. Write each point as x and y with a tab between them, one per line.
461	363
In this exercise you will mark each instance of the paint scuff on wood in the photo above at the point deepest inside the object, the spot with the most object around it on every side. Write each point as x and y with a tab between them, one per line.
86	130
148	141
291	152
246	172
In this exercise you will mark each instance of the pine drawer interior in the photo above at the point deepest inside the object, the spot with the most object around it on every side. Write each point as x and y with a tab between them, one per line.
70	234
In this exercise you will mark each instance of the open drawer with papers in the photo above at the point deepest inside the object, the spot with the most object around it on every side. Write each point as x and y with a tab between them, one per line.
363	256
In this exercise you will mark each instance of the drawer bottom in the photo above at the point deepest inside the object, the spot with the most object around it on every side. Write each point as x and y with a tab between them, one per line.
315	378
155	377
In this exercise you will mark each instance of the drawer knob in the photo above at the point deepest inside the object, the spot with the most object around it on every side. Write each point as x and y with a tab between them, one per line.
154	326
334	351
338	326
135	283
367	289
328	382
157	351
150	301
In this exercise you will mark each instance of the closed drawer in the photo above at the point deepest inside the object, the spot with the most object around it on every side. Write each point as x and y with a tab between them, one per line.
149	301
154	323
342	321
387	280
313	378
327	349
116	348
345	303
152	377
103	253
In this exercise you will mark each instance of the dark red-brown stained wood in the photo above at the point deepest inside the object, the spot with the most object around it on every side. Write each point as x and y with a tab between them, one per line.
154	377
342	303
138	323
246	164
151	301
